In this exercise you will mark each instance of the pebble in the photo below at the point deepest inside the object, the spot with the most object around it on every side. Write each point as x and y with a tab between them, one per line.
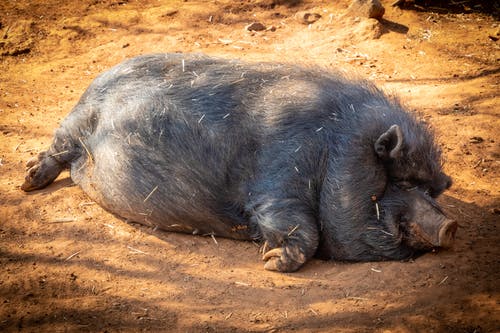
307	17
255	26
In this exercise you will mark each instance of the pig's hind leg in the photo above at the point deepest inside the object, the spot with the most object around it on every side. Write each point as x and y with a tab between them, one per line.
43	169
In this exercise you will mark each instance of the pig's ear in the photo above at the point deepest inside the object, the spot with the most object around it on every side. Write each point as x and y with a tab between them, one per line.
390	143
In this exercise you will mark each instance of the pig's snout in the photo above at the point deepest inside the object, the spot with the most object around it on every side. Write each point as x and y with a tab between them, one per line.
430	228
447	231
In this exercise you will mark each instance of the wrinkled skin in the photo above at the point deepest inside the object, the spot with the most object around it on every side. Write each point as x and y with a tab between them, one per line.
307	161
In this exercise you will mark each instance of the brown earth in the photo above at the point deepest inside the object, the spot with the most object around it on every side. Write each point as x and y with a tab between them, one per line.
68	265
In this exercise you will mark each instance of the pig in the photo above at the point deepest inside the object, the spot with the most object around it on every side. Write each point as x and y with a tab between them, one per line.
309	161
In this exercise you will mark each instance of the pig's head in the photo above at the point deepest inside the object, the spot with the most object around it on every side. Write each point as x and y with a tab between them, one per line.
380	204
414	179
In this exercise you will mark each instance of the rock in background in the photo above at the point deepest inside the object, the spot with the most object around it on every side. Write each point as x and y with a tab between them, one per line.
366	8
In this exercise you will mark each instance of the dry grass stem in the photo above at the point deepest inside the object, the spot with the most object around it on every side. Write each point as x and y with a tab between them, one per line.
225	41
71	256
134	250
478	163
378	211
59	153
150	193
242	284
91	159
215	240
443	280
387	233
265	247
314	312
293	230
82	166
63	220
376	270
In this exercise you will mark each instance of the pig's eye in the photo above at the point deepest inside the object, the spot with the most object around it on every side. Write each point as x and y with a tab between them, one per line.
404	218
405	185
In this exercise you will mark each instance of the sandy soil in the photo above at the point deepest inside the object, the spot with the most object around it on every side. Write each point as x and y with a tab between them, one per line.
68	265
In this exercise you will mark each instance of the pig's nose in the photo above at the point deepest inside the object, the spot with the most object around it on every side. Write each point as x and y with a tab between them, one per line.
447	233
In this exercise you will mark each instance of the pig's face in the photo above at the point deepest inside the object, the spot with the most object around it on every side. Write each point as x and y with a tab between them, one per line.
407	215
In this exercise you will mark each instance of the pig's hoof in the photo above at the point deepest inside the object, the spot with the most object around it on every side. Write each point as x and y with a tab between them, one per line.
42	171
284	259
30	183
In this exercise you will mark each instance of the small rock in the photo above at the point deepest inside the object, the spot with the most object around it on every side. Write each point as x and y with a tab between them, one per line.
366	8
366	29
171	12
28	295
307	17
271	28
255	26
476	139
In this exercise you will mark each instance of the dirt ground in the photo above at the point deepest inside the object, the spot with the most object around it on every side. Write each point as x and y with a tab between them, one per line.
68	265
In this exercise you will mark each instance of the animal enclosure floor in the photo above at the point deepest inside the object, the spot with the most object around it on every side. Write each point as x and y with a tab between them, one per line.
68	265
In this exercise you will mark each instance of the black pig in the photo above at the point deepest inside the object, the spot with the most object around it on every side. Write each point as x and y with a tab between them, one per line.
306	160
